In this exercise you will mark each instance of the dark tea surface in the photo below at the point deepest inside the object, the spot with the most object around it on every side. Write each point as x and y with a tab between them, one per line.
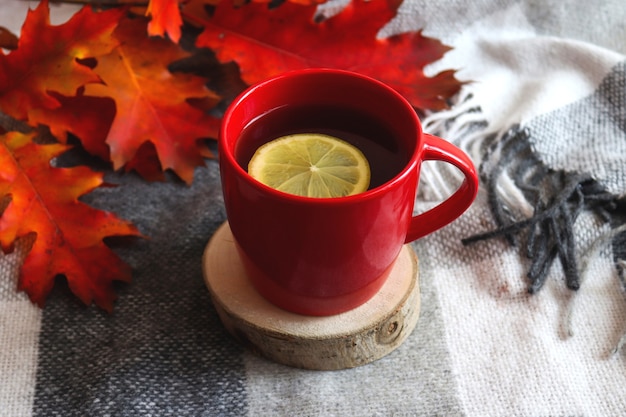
383	150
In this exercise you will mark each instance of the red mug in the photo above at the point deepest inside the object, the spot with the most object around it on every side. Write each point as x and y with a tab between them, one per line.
324	256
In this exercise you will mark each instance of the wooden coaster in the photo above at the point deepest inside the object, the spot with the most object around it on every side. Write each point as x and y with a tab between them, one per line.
345	340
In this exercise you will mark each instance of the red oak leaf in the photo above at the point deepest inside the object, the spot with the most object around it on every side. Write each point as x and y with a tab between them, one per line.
88	118
194	9
196	12
7	39
266	41
68	233
153	104
46	58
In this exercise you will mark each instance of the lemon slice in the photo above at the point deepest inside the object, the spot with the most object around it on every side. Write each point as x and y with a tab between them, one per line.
311	165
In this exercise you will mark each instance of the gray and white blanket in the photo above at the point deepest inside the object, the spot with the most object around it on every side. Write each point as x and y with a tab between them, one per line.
523	305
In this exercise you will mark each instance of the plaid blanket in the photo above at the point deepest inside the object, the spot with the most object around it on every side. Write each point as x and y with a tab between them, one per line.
523	307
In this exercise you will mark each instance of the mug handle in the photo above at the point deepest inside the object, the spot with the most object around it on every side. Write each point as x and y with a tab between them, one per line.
437	149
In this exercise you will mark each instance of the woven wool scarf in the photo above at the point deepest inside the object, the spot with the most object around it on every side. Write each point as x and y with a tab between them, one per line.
547	128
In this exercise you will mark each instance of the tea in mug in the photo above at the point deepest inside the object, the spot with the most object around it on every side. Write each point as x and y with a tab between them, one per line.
378	143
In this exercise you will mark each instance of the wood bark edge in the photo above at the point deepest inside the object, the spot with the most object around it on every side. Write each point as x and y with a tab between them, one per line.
384	330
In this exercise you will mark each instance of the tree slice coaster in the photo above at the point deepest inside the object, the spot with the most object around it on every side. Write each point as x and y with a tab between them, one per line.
345	340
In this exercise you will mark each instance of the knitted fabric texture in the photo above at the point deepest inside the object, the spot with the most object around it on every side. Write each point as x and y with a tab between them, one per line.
542	115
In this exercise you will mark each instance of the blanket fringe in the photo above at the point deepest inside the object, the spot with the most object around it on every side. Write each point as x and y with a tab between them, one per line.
465	126
535	207
544	224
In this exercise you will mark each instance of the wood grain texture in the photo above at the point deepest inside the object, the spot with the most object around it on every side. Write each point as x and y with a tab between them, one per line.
346	340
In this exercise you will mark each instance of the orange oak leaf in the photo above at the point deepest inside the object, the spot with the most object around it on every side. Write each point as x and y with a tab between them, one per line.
68	233
266	41
165	19
153	104
46	58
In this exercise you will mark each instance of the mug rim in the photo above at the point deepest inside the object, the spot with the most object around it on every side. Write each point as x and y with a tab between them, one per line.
228	151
